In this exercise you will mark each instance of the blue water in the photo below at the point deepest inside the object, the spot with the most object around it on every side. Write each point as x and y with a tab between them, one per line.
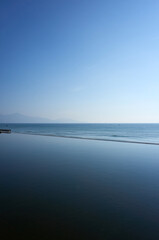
58	188
146	133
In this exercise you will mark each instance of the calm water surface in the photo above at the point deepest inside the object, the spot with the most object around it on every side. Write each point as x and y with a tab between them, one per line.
57	188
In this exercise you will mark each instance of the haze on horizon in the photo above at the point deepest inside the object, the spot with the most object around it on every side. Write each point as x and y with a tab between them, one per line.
87	60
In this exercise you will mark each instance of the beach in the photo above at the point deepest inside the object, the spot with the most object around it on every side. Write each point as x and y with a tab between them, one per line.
63	188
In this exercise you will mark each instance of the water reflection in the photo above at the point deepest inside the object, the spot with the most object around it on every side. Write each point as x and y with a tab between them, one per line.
55	188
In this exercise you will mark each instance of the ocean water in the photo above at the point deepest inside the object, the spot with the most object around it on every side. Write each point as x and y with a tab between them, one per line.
67	189
144	133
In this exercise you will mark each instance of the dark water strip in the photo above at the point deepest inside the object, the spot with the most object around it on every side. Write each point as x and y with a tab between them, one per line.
87	138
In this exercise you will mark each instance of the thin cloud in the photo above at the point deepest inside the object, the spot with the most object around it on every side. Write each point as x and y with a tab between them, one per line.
76	89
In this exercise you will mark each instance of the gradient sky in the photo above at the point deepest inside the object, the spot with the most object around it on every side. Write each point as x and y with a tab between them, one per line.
88	60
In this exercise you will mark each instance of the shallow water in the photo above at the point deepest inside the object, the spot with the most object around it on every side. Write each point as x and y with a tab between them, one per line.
57	188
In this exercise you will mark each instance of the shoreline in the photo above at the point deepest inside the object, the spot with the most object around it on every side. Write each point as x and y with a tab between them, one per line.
86	138
60	182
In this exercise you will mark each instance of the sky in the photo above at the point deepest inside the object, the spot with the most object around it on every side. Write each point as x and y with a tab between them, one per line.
86	60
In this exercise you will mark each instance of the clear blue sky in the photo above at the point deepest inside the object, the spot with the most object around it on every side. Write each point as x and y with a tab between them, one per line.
88	60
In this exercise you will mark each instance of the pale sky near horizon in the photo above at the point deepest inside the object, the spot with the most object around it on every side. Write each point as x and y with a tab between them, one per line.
87	60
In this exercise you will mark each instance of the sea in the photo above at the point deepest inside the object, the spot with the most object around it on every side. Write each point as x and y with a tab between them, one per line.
139	133
79	182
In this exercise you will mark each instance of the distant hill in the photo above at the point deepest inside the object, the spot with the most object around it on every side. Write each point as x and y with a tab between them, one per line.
20	118
64	120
